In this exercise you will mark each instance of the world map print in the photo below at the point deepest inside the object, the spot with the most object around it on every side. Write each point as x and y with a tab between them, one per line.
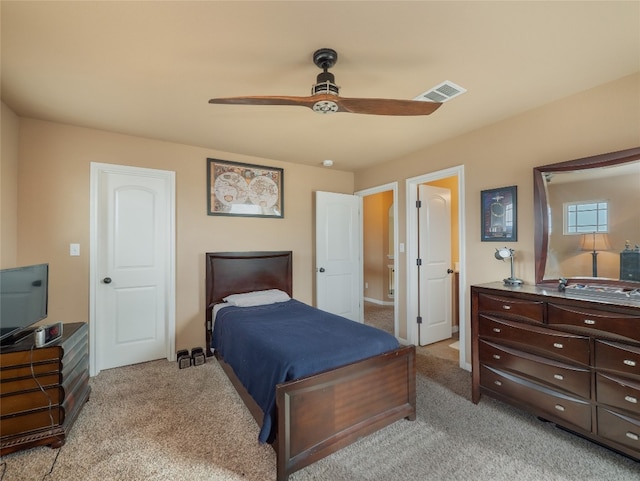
243	189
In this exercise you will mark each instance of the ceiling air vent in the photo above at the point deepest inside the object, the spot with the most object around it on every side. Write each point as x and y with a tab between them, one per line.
441	93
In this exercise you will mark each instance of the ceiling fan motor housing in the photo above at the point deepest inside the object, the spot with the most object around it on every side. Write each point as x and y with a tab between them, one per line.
325	58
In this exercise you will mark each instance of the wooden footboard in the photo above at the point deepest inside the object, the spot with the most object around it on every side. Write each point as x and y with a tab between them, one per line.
321	414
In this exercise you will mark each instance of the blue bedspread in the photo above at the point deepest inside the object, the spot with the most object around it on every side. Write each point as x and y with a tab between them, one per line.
268	345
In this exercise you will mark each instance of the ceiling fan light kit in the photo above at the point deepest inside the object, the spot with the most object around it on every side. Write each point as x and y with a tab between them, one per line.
325	98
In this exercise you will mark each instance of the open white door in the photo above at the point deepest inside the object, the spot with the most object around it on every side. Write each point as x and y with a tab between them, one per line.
434	234
338	248
132	266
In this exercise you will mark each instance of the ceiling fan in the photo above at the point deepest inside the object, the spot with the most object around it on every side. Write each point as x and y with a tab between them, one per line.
325	97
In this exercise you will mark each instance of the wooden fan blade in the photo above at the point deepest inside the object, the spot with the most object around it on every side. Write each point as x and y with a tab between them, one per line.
266	100
386	106
356	106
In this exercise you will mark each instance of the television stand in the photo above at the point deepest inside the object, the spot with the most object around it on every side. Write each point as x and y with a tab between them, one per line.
28	416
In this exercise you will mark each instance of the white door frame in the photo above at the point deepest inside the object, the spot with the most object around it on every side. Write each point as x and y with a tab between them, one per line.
96	170
392	186
412	254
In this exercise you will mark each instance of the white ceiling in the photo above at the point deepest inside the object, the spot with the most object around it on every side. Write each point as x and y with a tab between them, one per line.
149	68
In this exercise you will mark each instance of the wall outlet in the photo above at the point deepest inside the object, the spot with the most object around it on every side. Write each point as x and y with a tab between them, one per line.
74	250
366	285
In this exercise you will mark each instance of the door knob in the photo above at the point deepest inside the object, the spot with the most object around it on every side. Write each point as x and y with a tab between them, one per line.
321	269
449	271
107	280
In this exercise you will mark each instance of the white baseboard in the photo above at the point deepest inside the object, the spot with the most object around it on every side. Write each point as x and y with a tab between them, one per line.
378	302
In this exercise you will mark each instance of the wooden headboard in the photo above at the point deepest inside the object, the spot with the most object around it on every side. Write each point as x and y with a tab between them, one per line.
237	272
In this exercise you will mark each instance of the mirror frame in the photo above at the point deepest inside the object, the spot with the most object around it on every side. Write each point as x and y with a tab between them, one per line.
541	219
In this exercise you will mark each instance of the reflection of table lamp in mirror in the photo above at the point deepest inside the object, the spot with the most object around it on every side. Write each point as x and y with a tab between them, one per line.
501	255
594	242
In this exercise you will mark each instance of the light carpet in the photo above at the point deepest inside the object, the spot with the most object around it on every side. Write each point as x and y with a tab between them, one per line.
153	421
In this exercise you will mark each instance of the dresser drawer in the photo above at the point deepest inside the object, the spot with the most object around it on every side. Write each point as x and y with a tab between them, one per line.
539	340
529	310
618	392
558	406
617	357
10	373
24	384
619	428
627	326
26	401
574	379
30	421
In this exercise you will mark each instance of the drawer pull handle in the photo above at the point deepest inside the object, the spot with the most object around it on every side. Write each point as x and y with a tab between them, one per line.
589	321
497	383
633	436
496	356
559	377
559	407
629	362
506	308
557	345
631	399
497	329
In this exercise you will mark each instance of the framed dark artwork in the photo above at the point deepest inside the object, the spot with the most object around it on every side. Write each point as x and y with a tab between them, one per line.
499	214
244	189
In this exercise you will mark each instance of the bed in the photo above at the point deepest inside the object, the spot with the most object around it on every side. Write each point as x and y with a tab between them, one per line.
320	413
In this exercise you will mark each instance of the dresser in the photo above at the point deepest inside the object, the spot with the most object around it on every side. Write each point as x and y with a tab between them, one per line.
42	390
573	362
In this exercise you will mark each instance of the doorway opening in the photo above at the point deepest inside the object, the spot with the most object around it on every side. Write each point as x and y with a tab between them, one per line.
379	256
453	179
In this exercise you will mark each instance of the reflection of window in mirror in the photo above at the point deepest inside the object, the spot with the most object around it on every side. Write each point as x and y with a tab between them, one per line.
582	217
391	239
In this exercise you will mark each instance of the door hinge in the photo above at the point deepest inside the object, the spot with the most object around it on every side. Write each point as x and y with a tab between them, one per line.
419	319
418	204
418	262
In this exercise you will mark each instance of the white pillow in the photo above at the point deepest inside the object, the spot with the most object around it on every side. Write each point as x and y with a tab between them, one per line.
257	298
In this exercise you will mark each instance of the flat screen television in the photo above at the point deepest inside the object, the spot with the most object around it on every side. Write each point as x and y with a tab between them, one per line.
24	293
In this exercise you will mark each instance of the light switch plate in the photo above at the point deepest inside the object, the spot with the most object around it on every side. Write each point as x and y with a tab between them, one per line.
74	249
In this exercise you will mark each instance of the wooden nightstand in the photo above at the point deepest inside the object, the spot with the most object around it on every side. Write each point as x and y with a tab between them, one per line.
42	413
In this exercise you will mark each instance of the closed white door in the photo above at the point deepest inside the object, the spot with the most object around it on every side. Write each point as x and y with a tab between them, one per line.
434	234
133	287
338	260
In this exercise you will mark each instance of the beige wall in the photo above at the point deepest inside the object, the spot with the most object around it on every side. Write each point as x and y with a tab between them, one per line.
9	128
53	208
603	119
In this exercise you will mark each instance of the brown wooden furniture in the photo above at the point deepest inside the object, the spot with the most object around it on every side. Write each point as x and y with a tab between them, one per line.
43	389
322	413
574	362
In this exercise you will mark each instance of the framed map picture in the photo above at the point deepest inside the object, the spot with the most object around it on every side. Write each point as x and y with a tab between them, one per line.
244	189
499	214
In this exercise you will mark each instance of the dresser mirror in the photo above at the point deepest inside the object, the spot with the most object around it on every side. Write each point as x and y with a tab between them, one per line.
587	220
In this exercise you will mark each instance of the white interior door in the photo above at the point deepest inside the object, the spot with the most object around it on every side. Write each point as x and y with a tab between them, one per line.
133	287
338	260
434	234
